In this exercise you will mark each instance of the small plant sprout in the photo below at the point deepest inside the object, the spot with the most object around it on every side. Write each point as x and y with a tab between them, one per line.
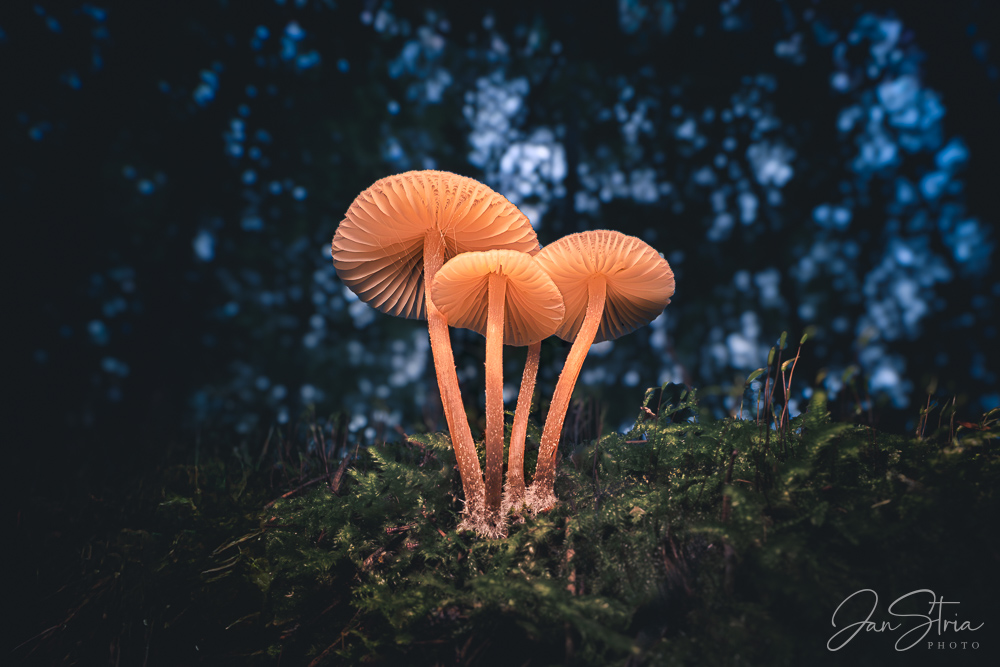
612	284
750	378
767	396
395	237
783	422
926	411
506	296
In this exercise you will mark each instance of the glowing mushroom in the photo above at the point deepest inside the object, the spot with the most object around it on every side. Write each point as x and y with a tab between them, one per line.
393	240
506	296
612	284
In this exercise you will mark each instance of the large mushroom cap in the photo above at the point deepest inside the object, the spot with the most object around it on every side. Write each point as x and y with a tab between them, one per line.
533	307
378	247
639	281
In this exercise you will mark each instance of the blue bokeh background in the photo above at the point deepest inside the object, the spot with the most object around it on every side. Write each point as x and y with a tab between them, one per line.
173	175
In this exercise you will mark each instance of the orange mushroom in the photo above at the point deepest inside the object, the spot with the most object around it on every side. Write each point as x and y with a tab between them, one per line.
395	237
519	431
506	296
612	284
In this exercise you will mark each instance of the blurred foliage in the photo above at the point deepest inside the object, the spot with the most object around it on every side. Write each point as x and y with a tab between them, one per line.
685	541
175	171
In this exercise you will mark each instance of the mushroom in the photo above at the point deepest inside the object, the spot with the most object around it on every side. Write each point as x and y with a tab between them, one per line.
519	430
506	296
612	284
395	237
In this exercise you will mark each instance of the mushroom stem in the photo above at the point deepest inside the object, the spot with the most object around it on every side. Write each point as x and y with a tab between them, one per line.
496	291
447	378
543	485
515	459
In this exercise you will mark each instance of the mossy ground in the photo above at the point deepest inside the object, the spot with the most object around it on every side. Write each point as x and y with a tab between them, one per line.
684	541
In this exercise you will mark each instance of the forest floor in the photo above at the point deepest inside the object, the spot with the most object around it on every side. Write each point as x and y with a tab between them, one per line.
686	541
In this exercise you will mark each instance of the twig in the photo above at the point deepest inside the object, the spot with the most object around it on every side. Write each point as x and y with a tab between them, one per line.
48	631
236	542
338	476
42	634
288	494
399	529
329	649
225	566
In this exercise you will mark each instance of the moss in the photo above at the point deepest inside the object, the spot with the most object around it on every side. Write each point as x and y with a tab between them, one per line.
684	541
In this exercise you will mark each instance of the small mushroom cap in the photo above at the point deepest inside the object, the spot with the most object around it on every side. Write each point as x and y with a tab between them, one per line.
639	281
378	247
533	306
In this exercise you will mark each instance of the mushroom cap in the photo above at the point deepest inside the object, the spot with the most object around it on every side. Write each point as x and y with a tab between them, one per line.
533	306
378	247
639	281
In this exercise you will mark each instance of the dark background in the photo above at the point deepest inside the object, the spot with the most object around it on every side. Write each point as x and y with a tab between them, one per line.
172	174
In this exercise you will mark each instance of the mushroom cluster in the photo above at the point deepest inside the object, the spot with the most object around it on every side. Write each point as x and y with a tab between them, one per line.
437	246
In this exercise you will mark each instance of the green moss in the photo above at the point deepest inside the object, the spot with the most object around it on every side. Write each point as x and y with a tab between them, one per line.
684	541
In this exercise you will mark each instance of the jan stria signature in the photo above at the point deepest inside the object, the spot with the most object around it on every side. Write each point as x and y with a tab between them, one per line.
916	627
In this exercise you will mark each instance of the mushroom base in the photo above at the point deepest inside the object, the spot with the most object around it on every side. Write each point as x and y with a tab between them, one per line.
539	498
491	525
